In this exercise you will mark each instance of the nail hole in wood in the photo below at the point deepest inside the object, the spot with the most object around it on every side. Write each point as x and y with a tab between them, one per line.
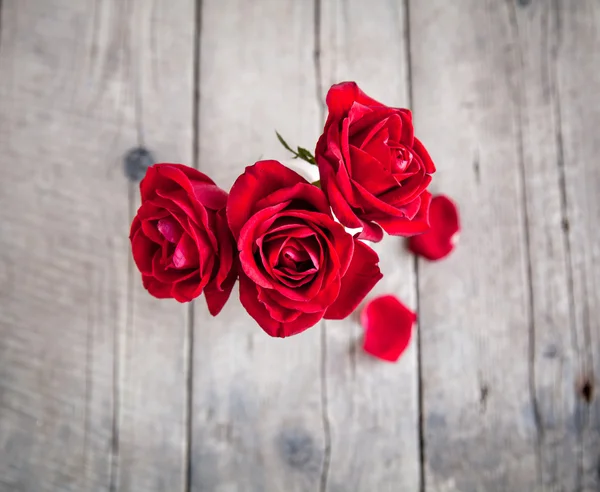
586	390
523	3
136	163
476	169
551	352
484	392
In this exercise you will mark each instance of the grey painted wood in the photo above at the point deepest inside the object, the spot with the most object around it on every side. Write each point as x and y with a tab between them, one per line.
554	360
372	405
95	374
257	413
476	310
157	67
563	345
92	383
576	93
506	414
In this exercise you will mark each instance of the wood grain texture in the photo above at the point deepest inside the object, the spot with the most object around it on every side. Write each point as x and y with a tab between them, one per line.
257	403
103	387
477	320
511	72
373	406
92	387
577	105
157	53
560	354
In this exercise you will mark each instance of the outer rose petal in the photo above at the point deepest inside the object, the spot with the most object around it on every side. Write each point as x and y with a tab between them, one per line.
371	232
340	98
168	176
257	182
308	193
388	327
156	288
249	299
340	206
403	227
216	296
441	238
420	149
361	277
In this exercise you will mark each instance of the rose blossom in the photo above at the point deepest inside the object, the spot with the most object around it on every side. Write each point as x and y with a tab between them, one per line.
180	239
297	264
373	170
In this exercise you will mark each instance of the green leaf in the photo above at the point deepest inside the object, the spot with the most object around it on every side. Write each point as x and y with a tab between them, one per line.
285	144
317	183
306	155
302	153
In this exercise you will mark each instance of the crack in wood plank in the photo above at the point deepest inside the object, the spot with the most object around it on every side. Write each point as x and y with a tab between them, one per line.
415	265
189	434
325	412
323	369
317	59
518	92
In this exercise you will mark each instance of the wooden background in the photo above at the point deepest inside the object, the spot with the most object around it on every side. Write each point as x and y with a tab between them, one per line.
103	388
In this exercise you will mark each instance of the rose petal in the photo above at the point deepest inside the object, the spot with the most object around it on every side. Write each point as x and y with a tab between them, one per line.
247	244
216	296
371	232
372	173
441	238
187	290
210	195
397	226
361	277
186	253
257	182
143	250
170	229
152	210
249	299
311	195
184	176
227	250
388	327
341	96
340	206
156	288
421	151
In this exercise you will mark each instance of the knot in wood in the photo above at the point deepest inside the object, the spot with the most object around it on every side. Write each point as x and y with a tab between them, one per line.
296	446
137	162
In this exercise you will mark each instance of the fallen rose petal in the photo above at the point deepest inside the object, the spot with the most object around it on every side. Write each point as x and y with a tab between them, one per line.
441	237
388	327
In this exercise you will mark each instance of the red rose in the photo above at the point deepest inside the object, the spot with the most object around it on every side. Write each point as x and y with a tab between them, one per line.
373	170
298	264
180	239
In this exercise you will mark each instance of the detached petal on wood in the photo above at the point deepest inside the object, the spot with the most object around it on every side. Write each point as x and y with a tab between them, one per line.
388	327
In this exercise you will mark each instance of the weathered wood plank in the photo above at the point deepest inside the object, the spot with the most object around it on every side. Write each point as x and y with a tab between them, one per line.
559	351
576	60
477	318
372	405
257	423
92	387
528	47
154	348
